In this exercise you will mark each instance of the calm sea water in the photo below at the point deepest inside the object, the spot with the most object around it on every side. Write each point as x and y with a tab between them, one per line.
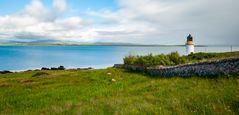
17	58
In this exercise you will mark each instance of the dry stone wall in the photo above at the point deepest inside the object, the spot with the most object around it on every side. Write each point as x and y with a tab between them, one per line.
209	68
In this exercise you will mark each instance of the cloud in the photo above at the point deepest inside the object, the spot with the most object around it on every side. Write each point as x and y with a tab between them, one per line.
34	8
135	21
59	5
169	21
37	23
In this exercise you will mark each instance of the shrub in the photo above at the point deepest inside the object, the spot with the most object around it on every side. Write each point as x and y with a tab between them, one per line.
168	60
150	60
175	58
130	60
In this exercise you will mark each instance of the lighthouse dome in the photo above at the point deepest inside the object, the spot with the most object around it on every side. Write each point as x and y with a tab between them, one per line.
189	40
189	45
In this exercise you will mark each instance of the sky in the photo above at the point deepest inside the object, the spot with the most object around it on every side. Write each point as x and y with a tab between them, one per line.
165	22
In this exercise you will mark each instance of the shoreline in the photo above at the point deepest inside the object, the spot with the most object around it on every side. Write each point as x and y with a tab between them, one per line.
229	55
47	69
115	45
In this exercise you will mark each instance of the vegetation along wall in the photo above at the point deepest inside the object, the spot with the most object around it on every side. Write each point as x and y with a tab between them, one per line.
209	68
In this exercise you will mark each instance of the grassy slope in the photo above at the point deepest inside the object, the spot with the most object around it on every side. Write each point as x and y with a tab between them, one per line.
93	92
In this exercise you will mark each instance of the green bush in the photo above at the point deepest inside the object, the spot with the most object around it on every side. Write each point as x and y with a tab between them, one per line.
150	60
130	60
170	59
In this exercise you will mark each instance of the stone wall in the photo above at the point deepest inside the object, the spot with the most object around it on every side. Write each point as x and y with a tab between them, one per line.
131	67
209	68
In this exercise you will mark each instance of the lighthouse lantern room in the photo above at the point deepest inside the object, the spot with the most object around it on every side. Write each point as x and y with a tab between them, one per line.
189	45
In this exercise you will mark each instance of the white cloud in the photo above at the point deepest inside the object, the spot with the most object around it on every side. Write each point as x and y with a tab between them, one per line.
59	5
71	23
36	22
169	21
136	21
36	9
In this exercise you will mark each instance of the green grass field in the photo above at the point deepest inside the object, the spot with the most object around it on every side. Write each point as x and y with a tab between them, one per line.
94	92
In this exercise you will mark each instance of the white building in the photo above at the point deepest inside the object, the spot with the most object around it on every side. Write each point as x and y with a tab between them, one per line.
189	45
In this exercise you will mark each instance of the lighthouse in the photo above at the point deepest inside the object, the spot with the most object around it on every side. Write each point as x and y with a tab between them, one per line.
189	45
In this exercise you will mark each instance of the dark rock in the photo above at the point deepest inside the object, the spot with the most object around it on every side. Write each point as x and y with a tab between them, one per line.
89	68
5	72
119	66
28	70
135	67
44	68
61	68
53	68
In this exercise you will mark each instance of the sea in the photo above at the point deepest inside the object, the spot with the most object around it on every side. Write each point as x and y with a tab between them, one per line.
21	58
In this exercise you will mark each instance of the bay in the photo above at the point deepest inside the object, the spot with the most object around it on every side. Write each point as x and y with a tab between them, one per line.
18	58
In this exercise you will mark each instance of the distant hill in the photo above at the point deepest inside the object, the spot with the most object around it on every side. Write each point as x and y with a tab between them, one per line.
71	43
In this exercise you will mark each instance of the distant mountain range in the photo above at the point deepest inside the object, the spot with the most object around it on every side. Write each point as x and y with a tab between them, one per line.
67	43
70	43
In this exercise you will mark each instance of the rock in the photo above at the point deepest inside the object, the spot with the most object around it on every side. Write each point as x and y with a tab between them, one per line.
61	68
135	67
53	68
204	69
209	68
89	68
44	68
5	72
113	80
119	66
28	70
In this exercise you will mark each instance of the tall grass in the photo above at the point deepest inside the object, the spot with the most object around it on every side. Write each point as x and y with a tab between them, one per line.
94	92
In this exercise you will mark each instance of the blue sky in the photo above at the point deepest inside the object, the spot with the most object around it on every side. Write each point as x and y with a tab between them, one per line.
129	21
13	6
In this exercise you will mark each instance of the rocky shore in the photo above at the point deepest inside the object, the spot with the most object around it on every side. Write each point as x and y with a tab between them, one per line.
5	72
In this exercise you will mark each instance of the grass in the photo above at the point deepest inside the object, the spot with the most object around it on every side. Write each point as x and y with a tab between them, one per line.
38	74
174	58
94	92
210	56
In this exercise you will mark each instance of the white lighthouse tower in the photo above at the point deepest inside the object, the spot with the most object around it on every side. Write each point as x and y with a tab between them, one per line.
189	45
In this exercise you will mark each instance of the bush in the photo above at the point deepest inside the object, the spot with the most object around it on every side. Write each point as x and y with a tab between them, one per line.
168	60
150	60
130	60
175	58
